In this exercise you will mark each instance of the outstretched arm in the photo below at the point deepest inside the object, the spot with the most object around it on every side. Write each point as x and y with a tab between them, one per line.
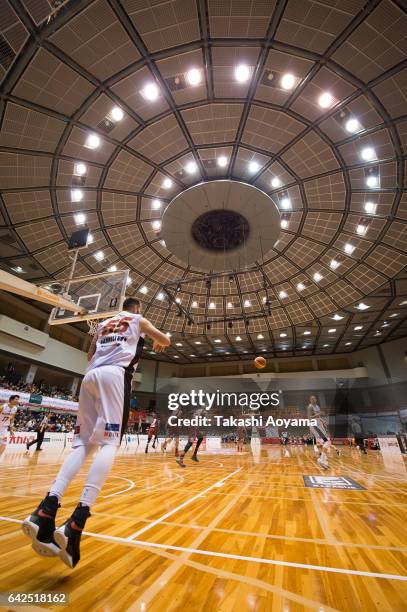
160	340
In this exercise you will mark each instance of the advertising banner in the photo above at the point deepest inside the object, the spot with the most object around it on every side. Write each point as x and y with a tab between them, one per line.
35	399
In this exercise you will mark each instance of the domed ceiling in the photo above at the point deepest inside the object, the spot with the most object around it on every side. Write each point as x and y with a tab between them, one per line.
111	108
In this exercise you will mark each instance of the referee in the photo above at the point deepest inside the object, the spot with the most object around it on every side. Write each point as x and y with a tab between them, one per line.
40	430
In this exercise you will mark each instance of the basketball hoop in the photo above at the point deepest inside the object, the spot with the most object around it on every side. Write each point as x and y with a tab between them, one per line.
93	325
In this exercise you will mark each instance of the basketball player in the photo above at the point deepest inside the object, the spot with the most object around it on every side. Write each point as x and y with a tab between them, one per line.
319	432
197	435
40	429
240	438
7	415
152	432
173	434
104	405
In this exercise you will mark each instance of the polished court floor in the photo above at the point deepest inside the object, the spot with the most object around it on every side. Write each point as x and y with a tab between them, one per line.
234	532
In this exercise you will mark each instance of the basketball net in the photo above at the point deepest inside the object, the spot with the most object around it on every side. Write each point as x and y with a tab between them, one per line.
93	325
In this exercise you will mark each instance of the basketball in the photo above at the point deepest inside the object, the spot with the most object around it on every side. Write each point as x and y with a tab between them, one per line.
260	363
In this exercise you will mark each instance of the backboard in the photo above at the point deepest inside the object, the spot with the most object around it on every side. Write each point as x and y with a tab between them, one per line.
101	295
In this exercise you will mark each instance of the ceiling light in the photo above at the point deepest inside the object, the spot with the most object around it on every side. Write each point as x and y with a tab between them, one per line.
238	339
99	255
197	342
160	296
217	340
247	303
150	92
80	218
287	81
334	264
194	305
91	239
348	343
361	229
395	314
362	306
317	277
191	167
212	305
282	295
326	345
192	355
385	324
156	204
112	268
368	154
18	269
254	166
92	141
352	125
143	289
116	113
332	330
283	335
307	333
242	73
325	100
222	161
76	195
193	76
358	327
403	303
178	300
275	182
129	281
349	248
285	203
300	287
372	181
337	317
178	344
229	305
167	183
176	356
156	225
260	337
370	207
284	224
80	169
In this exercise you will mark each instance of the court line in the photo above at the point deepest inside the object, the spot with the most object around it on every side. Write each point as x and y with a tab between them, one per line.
219	483
213	553
132	485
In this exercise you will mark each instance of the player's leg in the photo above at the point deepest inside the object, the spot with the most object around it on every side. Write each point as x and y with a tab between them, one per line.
188	445
40	440
40	525
35	441
149	437
113	386
3	441
197	445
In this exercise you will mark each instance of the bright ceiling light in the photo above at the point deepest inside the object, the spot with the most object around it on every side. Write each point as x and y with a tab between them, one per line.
247	303
178	300
116	114
352	125
229	305
167	183
300	286
372	181
150	92
283	335
284	224
395	314
18	269
242	73
334	264
361	229
191	167
217	340
337	317
332	330
194	305
143	290
325	100
287	81
349	248
80	169
212	305
156	225
260	337
307	333
358	327
326	346
76	195
80	218
99	255
368	153
129	281
193	76
317	277
285	203
282	295
348	343
370	207
362	306
92	141
160	296
156	204
112	268
254	166
178	344
275	182
222	161
238	339
91	239
197	342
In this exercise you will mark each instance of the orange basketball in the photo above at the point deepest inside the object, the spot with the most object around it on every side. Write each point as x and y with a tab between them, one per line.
260	363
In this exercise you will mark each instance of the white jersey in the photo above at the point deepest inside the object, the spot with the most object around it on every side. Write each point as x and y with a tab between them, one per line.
6	414
119	342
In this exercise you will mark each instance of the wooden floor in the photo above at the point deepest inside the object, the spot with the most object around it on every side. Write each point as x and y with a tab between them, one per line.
234	532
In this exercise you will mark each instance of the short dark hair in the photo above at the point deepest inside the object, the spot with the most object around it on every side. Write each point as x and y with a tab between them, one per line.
130	302
12	397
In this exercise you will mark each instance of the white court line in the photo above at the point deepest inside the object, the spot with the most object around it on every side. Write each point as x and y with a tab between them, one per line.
132	485
212	553
183	505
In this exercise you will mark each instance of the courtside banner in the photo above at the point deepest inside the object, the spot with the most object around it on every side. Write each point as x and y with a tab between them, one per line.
46	402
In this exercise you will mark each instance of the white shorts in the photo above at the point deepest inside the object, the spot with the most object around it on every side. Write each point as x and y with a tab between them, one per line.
104	404
320	431
3	437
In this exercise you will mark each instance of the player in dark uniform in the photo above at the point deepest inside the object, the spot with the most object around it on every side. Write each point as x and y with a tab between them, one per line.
173	432
152	432
196	434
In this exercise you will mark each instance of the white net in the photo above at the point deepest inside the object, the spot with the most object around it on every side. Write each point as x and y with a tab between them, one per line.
93	325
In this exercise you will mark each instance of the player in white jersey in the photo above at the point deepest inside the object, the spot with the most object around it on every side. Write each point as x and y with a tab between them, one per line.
104	404
7	416
319	432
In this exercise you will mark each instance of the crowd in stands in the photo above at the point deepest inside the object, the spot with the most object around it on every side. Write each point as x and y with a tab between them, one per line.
28	420
9	379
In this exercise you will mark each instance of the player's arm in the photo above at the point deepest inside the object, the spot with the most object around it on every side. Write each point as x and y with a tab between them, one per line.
92	348
160	340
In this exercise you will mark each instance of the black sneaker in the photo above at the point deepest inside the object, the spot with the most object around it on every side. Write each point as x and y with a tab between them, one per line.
68	536
195	458
40	527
